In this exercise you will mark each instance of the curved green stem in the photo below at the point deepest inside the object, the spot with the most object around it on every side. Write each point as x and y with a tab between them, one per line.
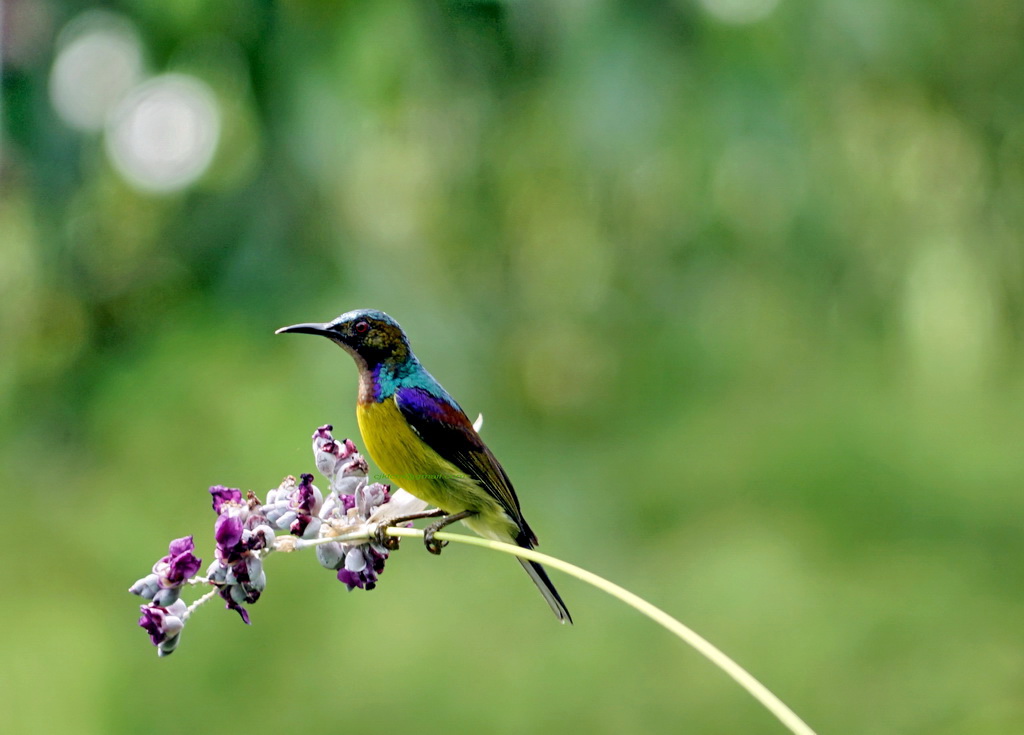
740	675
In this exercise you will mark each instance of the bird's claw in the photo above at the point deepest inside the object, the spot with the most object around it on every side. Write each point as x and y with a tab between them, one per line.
382	538
433	545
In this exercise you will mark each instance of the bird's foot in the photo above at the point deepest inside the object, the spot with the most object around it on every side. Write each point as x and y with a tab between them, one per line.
391	542
382	538
434	545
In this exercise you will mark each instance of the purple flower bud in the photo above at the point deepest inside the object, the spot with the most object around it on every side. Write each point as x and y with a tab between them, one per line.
308	498
222	495
244	582
355	466
362	566
183	545
164	624
241	580
170	572
228	534
261	537
305	526
179	565
324	441
336	460
293	507
232	605
369	497
246	579
337	506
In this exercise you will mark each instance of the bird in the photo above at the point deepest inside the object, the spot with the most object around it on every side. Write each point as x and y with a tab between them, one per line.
416	432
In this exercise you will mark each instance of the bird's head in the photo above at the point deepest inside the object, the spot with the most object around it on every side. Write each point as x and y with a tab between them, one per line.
370	336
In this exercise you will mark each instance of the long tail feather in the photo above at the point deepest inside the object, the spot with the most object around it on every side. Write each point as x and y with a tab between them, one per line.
540	578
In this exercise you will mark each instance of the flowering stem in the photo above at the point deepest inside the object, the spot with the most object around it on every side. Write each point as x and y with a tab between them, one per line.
205	598
303	543
740	675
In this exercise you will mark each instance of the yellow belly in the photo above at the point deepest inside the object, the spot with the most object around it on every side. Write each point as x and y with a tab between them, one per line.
409	463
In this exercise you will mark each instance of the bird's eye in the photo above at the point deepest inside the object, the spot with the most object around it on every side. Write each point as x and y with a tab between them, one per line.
362	327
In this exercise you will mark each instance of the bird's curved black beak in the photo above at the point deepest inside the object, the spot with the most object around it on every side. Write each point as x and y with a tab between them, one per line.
310	328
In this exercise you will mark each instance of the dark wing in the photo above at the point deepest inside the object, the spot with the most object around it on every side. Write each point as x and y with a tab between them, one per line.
440	423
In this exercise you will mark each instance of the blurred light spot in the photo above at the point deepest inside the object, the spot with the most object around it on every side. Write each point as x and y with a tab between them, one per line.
162	137
221	63
740	11
949	316
99	60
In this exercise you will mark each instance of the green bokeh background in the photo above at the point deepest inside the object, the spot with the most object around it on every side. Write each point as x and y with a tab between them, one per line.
742	304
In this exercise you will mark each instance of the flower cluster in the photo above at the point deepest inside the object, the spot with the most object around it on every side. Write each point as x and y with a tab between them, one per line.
358	565
164	617
355	506
164	583
164	624
341	526
295	507
242	531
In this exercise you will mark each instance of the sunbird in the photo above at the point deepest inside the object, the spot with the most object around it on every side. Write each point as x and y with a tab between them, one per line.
418	435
